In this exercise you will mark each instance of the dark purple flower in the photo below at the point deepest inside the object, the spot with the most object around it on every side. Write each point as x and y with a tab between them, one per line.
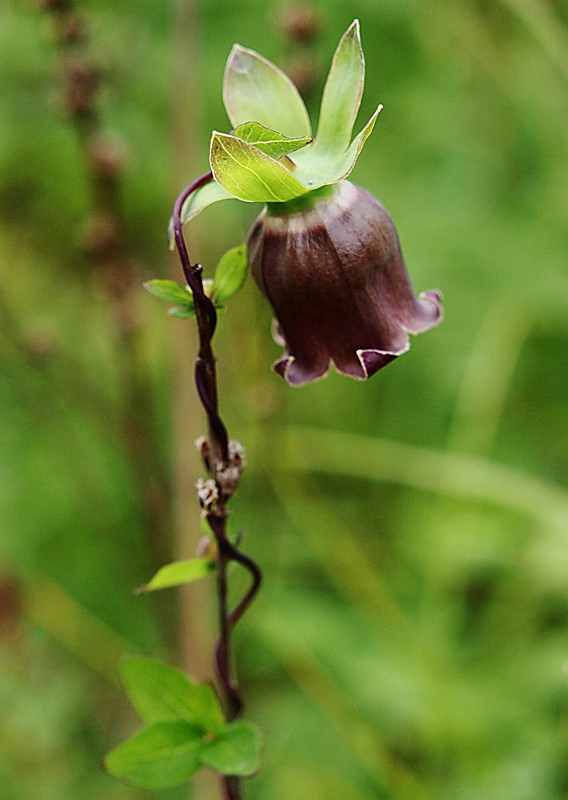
330	266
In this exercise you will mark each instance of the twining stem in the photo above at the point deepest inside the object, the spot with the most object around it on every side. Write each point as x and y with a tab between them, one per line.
224	467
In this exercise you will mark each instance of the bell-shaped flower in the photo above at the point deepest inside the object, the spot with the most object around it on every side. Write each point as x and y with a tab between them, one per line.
324	252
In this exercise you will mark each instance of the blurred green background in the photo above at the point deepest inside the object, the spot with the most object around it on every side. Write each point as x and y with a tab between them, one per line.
412	633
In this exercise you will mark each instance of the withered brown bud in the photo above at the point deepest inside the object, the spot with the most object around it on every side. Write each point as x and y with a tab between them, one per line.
71	29
54	5
81	84
99	235
330	266
300	22
108	154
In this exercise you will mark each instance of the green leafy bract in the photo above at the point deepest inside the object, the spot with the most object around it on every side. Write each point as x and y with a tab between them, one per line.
249	174
271	123
342	94
271	142
255	89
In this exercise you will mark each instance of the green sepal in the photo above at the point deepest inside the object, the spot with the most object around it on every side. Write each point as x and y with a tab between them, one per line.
271	142
342	94
255	89
162	693
236	750
178	573
230	274
326	169
249	174
162	755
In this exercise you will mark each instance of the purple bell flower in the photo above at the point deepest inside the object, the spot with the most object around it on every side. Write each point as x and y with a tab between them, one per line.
324	252
330	266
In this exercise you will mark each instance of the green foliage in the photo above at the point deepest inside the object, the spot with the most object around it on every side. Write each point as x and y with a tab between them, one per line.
260	101
229	278
185	731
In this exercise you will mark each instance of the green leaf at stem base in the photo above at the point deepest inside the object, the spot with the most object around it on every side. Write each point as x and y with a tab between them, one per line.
235	750
161	693
162	755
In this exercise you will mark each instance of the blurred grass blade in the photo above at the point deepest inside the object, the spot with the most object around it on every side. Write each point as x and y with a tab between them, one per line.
338	453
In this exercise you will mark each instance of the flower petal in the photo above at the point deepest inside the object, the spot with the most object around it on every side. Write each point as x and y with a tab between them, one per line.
335	278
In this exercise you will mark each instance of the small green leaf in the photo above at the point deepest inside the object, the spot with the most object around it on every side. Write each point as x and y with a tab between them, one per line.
162	693
182	313
235	750
160	756
230	274
178	573
255	89
342	94
271	142
249	174
171	292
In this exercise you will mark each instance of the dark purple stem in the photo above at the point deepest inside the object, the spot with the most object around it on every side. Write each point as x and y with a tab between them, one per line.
218	460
